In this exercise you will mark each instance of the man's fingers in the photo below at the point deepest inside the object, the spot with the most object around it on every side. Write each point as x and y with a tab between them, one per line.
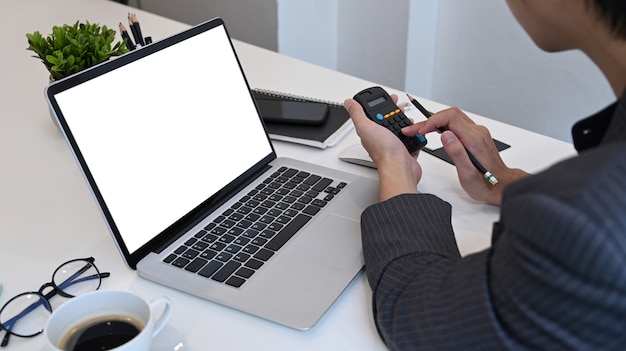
455	149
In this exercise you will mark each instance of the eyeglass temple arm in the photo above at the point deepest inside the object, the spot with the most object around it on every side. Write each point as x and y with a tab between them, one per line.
9	324
72	279
5	340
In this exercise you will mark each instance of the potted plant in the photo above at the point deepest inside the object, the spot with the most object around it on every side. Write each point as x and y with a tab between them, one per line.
72	48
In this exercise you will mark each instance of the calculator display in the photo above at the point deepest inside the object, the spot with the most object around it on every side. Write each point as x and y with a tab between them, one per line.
376	101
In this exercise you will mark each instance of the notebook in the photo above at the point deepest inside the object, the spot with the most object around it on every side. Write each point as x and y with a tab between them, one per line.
172	146
337	125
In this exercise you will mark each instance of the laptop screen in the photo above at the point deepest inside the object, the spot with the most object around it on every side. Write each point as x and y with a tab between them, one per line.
164	132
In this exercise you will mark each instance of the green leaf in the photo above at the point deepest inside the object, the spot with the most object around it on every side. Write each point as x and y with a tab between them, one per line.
71	48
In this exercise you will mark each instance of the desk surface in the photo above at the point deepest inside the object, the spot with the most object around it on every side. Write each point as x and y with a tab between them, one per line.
47	214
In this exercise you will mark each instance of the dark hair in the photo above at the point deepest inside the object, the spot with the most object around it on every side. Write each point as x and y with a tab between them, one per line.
613	12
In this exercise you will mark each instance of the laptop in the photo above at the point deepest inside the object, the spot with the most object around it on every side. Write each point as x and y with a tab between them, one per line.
175	152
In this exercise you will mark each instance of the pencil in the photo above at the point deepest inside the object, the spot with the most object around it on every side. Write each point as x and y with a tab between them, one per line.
490	177
129	42
135	28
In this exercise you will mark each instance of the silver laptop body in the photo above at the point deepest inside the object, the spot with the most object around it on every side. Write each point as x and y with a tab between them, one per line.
169	139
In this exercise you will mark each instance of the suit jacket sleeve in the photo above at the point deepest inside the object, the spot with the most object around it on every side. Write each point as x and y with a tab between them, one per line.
424	294
554	278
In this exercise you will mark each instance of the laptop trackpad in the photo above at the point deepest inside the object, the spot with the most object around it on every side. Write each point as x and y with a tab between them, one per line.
336	241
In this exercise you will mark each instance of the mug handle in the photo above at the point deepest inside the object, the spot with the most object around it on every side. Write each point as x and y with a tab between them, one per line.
165	315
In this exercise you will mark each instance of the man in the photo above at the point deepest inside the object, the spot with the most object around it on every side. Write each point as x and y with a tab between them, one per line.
555	275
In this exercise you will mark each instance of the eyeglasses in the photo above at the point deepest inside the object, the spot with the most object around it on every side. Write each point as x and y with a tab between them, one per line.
25	314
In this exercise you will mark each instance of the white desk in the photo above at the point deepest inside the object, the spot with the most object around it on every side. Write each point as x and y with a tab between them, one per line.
47	214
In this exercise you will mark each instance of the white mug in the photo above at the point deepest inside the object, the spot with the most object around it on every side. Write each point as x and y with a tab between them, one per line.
79	311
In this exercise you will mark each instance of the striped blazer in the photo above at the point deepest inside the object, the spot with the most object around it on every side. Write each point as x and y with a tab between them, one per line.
554	277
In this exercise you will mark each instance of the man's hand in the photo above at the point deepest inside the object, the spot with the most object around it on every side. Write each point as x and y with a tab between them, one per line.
398	170
461	134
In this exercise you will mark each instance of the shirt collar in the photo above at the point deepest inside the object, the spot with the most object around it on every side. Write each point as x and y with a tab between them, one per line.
605	126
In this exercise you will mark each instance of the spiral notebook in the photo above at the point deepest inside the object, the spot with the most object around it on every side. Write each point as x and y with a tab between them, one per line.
337	125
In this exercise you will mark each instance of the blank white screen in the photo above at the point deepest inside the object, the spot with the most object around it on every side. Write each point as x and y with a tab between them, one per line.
162	134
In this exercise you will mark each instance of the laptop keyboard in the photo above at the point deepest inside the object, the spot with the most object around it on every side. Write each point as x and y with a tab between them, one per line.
243	238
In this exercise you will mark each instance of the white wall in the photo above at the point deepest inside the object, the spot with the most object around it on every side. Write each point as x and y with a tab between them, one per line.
307	29
363	38
485	63
421	47
472	54
372	37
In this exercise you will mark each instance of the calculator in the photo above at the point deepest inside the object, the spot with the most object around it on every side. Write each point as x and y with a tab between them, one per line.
380	108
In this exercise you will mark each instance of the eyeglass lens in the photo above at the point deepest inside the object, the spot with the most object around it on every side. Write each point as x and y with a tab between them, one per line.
76	277
26	314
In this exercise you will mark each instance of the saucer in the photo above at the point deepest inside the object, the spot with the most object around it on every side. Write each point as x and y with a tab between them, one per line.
170	339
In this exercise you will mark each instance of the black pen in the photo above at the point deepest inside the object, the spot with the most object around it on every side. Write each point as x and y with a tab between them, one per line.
490	177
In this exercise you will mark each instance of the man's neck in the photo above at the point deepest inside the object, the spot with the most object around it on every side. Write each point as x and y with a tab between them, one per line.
609	54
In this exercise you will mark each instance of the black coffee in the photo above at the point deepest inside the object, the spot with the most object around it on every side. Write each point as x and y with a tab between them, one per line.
102	333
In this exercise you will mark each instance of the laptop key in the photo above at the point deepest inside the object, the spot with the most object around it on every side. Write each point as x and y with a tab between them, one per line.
210	269
208	254
322	184
290	172
244	272
200	234
196	264
180	262
311	210
241	257
200	246
264	254
290	229
303	174
254	264
217	246
191	254
268	234
210	238
226	271
235	281
298	206
250	249
224	256
227	238
250	233
319	203
311	180
259	241
232	248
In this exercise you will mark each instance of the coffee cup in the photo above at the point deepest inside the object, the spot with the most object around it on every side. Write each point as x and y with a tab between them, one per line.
107	320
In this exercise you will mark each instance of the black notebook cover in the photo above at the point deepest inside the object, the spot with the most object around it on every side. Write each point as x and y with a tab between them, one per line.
337	123
441	153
